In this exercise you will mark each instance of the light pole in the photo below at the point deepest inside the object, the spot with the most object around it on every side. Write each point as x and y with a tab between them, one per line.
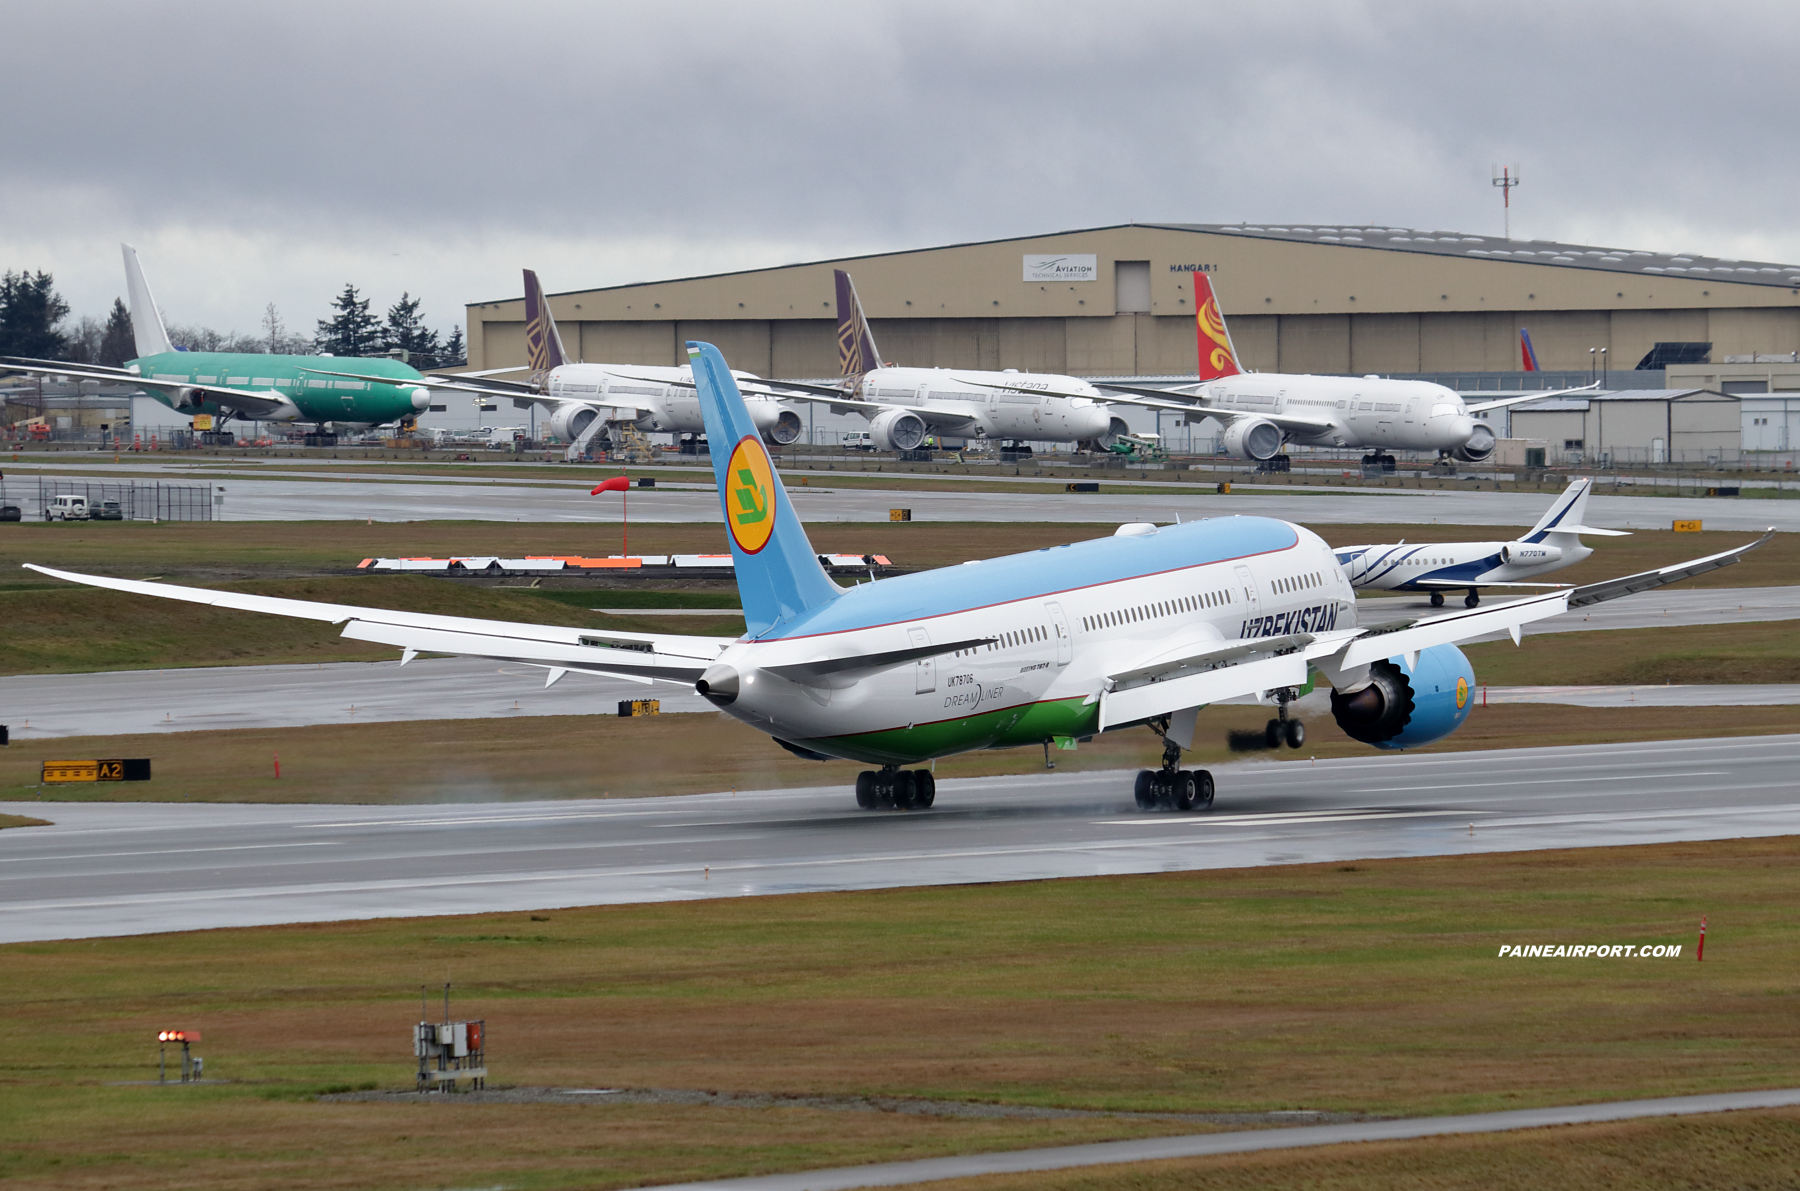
1591	364
1603	368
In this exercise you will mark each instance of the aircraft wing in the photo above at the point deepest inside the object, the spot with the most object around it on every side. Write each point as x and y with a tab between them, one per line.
1612	589
1520	400
1285	421
245	401
642	657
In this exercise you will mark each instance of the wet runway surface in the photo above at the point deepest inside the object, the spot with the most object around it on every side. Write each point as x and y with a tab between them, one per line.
134	868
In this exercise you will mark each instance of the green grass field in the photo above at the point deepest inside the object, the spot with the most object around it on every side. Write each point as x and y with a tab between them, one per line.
1370	986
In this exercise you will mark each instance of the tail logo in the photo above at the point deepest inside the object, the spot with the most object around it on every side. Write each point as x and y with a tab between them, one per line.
1216	357
750	495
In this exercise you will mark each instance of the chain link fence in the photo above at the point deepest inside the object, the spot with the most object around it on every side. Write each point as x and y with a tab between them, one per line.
137	502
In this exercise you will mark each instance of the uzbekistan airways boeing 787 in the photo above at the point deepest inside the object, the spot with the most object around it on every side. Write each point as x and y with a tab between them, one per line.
1142	628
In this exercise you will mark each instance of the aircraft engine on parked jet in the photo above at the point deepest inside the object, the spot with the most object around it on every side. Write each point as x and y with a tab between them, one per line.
1405	707
1480	446
1116	429
568	422
1251	438
1530	553
189	398
897	430
421	399
786	429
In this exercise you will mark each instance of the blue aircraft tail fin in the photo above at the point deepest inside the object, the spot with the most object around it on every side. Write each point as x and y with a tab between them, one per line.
1566	514
778	574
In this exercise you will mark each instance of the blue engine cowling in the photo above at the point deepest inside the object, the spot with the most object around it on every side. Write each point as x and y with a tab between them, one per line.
1405	706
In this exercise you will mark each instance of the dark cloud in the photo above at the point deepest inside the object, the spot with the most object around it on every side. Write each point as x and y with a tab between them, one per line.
267	152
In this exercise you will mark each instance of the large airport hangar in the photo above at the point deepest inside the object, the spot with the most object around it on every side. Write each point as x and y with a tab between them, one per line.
1115	301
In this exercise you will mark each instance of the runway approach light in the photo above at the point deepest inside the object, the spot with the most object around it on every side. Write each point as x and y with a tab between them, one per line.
191	1065
179	1036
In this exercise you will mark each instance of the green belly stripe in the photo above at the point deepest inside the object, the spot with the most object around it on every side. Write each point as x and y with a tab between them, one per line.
1008	727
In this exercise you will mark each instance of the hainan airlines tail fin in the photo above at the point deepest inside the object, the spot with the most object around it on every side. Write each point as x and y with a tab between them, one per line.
146	323
1527	356
1218	355
857	353
543	342
778	573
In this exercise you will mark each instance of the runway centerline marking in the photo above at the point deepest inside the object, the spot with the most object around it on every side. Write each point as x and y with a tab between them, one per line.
322	843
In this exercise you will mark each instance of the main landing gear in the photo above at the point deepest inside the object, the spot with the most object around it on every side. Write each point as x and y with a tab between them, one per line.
1281	730
1472	600
1378	463
1178	789
891	786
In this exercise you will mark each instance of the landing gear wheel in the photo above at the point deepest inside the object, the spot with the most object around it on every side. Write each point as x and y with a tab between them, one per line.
1203	790
1295	731
1145	790
1183	793
1472	599
866	796
904	790
924	788
1272	734
1437	599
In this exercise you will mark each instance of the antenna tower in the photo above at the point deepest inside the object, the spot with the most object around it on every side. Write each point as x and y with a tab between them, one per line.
1506	177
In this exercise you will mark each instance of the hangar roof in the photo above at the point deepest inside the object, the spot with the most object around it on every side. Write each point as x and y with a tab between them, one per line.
1534	252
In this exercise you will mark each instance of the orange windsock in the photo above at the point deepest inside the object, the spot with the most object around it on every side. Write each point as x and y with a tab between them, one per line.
1217	356
616	484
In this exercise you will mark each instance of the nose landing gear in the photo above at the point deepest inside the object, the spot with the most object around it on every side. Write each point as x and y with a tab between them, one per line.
891	786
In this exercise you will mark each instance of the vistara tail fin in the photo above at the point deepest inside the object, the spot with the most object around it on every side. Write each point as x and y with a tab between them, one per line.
1218	356
778	574
146	323
543	342
857	353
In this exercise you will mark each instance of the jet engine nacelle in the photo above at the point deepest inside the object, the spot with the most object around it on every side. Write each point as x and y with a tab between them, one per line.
1480	445
786	429
1405	707
1530	553
1251	438
897	430
189	398
421	399
569	421
1116	429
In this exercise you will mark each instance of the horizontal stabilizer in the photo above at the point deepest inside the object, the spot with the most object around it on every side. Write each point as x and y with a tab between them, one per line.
1588	529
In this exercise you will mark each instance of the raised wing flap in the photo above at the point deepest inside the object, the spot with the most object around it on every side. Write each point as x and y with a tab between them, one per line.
593	654
803	672
1450	628
1138	703
1213	653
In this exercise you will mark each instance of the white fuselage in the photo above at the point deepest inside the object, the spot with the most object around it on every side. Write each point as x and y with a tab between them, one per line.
647	396
1444	566
1365	411
1053	650
967	401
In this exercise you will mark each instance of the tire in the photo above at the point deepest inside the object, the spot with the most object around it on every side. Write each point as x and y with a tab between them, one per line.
1203	790
1295	733
1272	734
1145	790
1472	599
904	790
1183	791
865	791
1437	599
924	788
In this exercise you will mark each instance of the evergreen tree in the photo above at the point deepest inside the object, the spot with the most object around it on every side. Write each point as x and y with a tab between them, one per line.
454	353
30	311
353	331
118	343
407	331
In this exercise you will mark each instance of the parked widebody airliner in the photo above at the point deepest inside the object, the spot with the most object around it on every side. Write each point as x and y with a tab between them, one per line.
588	401
1439	567
904	405
341	393
1142	628
1262	412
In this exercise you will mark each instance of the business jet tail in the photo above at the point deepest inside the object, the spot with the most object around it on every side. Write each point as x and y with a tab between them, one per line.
1218	356
778	572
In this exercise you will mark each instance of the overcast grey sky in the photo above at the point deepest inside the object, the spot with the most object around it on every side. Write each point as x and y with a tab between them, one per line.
271	152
